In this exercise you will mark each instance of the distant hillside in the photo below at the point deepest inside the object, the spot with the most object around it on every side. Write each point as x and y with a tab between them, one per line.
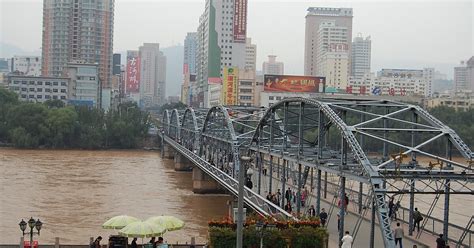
8	50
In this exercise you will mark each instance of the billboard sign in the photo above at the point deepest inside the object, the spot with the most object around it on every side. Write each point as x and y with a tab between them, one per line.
287	83
240	20
230	86
133	74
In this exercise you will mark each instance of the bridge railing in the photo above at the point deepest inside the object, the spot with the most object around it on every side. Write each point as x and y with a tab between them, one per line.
253	199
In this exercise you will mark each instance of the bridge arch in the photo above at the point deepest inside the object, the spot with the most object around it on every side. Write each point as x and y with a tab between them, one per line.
175	125
190	130
165	120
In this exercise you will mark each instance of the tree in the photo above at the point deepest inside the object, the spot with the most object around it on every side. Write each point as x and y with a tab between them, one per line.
32	118
54	104
61	123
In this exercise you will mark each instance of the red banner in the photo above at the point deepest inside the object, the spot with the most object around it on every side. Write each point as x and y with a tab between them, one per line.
294	83
240	20
133	74
362	90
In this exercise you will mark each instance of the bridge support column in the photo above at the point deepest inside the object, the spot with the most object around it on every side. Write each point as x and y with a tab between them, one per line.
204	184
181	163
168	152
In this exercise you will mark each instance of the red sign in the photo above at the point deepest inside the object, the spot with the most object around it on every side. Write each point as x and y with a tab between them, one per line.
362	90
349	89
133	74
26	244
240	20
391	91
293	83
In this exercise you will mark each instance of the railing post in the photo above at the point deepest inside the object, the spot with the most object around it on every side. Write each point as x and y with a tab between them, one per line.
342	211
412	206
360	197
318	194
372	226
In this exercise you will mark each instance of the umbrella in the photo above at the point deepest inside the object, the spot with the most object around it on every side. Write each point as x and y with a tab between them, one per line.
170	222
142	229
119	222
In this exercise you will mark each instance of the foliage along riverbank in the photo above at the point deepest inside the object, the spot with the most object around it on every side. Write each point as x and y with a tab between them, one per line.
53	125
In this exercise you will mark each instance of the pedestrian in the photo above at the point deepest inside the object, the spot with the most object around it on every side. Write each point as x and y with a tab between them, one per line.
347	240
398	233
278	195
323	216
153	242
417	218
390	207
269	196
134	243
440	242
96	243
161	243
249	183
311	211
395	210
338	221
288	207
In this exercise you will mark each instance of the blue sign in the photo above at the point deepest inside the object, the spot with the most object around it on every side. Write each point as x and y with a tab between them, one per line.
377	91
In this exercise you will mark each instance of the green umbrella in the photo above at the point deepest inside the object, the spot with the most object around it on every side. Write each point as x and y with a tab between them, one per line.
119	222
170	222
142	229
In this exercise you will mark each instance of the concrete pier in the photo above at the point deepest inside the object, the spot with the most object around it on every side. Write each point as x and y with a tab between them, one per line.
204	184
181	163
168	151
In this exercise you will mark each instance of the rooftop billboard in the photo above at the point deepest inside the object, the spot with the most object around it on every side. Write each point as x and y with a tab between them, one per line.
289	83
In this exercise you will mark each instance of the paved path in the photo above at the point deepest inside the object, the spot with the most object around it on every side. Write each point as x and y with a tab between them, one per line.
363	237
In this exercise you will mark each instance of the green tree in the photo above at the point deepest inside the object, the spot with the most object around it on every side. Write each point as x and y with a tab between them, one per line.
32	118
54	103
61	123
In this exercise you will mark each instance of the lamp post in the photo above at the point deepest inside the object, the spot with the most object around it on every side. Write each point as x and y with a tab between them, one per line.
260	227
32	223
240	200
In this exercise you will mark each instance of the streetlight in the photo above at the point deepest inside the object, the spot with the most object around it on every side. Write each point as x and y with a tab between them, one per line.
260	227
240	200
32	223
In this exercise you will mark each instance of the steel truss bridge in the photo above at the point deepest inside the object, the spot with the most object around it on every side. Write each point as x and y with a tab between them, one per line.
390	148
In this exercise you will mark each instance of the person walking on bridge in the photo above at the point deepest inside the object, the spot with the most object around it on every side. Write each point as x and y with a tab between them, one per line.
347	240
323	216
398	233
417	218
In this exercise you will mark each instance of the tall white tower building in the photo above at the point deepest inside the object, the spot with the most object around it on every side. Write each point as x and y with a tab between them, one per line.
152	75
273	67
360	59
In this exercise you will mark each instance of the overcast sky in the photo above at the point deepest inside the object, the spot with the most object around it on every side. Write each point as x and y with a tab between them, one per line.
405	34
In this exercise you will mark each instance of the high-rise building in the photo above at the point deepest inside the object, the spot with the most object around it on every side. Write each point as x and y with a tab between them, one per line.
75	31
464	76
221	42
273	67
84	88
341	17
152	75
26	65
116	63
190	53
333	54
360	59
250	56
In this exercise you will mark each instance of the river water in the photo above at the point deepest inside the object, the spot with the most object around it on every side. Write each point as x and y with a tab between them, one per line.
74	192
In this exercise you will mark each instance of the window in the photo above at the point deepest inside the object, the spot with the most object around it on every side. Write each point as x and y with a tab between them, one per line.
55	83
47	90
63	90
55	90
63	97
55	97
31	96
23	82
63	83
278	98
39	90
32	89
39	83
24	89
16	82
270	98
39	96
32	82
23	96
47	83
47	96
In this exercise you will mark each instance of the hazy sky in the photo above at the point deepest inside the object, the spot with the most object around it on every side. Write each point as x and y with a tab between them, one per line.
405	34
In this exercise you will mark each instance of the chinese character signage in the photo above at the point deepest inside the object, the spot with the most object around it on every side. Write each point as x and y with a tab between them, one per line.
288	83
133	74
240	20
230	81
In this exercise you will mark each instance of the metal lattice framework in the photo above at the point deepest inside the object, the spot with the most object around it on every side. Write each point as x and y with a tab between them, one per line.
393	148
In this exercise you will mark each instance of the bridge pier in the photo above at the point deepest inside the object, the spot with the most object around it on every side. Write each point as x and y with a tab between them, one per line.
204	184
181	163
168	152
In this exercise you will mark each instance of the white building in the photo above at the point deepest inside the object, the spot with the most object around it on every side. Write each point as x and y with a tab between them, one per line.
219	45
273	67
26	65
332	60
394	82
361	53
39	89
152	75
464	76
250	56
342	17
268	98
84	86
